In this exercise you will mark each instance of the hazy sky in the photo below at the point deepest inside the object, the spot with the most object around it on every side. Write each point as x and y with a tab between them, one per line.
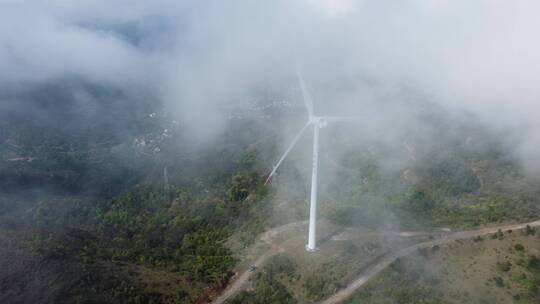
481	55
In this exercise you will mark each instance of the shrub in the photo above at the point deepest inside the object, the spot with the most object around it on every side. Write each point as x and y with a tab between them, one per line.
530	230
498	235
504	266
533	264
478	239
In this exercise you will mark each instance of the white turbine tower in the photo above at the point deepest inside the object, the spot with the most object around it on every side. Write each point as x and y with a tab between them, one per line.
317	122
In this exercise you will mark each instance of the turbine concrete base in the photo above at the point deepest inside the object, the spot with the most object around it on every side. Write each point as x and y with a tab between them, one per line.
311	250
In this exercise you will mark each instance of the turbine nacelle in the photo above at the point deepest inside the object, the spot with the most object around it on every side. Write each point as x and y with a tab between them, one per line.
318	121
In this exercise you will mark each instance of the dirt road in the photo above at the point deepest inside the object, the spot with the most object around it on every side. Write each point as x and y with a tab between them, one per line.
388	259
378	265
241	280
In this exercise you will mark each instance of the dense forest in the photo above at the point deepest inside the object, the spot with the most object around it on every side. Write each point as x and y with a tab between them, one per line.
113	189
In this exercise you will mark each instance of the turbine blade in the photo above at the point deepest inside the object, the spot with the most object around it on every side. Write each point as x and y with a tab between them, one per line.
305	94
295	140
342	118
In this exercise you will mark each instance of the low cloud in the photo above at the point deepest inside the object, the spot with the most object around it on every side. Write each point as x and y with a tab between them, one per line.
480	57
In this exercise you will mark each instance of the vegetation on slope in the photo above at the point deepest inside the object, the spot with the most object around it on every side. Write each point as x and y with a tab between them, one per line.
500	269
116	205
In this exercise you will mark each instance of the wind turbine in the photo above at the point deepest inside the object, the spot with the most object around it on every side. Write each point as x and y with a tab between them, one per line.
317	122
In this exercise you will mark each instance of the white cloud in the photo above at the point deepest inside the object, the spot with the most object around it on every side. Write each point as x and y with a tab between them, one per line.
482	56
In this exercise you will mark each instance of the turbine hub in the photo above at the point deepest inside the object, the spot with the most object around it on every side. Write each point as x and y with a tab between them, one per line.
319	121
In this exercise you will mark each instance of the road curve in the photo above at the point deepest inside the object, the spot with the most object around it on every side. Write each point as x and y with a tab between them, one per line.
240	281
389	258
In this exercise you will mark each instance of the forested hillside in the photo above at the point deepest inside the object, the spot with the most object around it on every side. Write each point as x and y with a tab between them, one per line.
100	203
117	205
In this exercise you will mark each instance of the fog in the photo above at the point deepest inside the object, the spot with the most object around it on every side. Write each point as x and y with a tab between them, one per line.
203	58
145	130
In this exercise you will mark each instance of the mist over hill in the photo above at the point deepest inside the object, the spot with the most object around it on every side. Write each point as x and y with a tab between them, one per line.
136	136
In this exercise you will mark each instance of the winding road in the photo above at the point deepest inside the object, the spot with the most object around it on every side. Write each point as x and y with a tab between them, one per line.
388	259
369	272
241	280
